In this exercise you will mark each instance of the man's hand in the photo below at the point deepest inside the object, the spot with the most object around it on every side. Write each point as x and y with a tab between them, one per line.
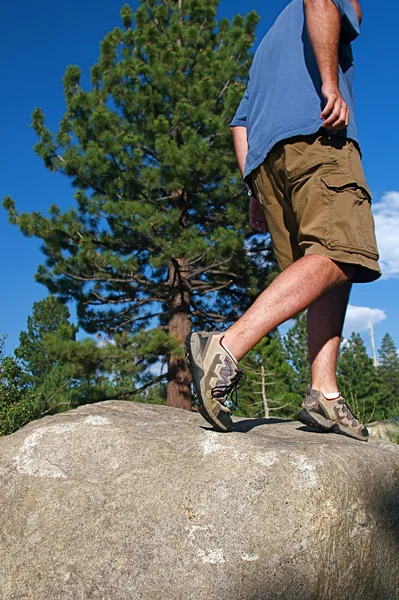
257	218
323	22
336	112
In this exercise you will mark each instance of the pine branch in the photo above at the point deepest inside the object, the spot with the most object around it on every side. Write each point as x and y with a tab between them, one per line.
117	315
134	304
225	87
209	268
129	393
200	312
128	279
68	404
224	273
216	289
199	258
55	393
146	317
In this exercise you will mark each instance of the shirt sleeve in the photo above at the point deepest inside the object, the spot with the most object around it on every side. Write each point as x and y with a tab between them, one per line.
350	22
240	118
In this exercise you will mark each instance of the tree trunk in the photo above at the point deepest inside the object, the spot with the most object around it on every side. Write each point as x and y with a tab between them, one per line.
179	378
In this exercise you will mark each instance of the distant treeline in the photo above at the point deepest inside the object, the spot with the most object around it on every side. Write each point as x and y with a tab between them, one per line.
51	371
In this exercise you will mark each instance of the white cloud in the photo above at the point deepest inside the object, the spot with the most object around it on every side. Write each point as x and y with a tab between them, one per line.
386	215
358	319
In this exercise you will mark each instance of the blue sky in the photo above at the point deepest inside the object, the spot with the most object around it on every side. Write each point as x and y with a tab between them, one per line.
38	40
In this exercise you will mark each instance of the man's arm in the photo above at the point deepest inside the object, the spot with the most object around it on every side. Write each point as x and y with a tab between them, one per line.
257	217
323	23
240	146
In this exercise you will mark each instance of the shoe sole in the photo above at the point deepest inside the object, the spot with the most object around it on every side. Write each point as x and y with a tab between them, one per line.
194	360
320	422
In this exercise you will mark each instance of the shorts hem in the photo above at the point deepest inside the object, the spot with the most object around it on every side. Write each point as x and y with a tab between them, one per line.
367	269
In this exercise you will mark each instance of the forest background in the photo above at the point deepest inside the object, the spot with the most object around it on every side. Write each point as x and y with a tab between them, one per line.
157	239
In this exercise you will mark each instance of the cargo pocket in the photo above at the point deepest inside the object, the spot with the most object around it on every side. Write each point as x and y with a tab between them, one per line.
304	158
350	223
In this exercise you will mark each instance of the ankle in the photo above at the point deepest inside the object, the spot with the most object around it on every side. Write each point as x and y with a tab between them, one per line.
225	347
229	343
330	392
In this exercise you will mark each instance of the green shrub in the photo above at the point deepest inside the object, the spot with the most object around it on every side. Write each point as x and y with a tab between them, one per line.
18	404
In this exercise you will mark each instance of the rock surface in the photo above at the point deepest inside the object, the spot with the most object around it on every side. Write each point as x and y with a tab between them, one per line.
125	501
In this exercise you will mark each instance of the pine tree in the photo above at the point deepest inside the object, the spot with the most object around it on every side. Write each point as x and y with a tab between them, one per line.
159	240
388	371
54	365
357	379
296	350
269	378
65	372
49	316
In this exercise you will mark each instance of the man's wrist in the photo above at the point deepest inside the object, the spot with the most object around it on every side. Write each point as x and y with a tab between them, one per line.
330	84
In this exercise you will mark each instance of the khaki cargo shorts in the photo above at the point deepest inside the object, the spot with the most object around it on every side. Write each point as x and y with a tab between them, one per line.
316	201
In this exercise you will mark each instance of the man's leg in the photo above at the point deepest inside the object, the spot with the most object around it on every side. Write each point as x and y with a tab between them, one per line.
314	281
325	322
213	356
297	287
324	407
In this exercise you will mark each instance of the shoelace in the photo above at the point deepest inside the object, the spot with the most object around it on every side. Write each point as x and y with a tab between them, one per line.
349	413
224	391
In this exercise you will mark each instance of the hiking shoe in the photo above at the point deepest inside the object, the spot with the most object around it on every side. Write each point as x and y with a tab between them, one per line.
330	415
215	377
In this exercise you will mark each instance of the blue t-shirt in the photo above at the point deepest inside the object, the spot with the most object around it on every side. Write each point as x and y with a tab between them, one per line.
283	97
